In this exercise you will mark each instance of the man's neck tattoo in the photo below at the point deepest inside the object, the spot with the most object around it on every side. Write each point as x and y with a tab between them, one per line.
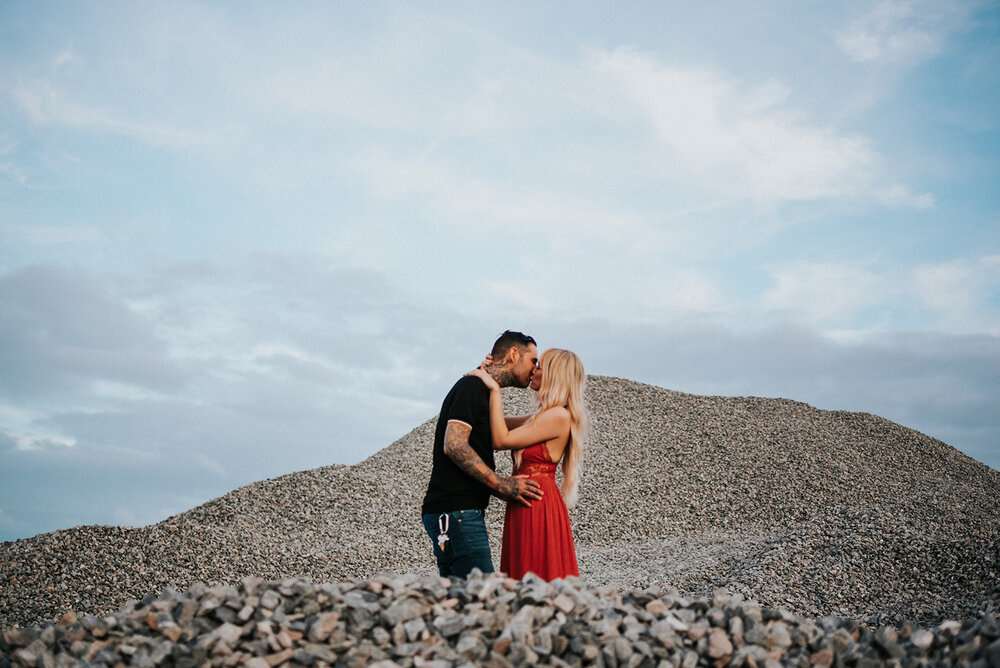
501	375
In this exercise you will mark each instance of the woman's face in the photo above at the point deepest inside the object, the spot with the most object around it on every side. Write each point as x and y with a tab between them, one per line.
536	378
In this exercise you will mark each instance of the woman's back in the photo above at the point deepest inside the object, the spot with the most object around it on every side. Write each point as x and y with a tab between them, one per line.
554	448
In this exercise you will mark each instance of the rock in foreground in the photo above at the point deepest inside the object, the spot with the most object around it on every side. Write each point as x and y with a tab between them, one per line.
487	620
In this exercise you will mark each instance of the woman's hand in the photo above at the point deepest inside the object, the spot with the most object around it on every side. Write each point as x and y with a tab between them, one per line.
487	379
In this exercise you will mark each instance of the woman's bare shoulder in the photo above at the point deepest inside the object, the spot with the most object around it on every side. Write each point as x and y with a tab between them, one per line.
555	413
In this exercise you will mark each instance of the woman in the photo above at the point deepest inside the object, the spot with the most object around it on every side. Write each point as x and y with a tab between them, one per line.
538	539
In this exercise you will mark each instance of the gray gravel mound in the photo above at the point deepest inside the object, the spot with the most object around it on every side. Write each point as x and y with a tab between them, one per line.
823	513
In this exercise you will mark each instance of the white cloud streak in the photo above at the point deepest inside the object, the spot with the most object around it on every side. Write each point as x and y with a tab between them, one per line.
958	296
825	292
961	292
748	140
46	104
900	31
900	196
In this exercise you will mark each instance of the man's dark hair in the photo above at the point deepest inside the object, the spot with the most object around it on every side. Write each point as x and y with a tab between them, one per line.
507	341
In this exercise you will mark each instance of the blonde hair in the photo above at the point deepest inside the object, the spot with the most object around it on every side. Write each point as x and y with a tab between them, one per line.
563	382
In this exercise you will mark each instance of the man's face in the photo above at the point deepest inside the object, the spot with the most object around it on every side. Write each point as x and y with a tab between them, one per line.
522	369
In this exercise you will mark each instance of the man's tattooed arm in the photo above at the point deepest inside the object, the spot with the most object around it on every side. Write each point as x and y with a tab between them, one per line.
456	446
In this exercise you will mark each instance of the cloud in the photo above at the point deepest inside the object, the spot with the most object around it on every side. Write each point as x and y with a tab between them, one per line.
196	80
418	74
7	442
291	363
53	235
9	168
824	292
957	296
394	104
61	330
283	350
723	130
44	103
859	45
900	31
34	442
13	172
900	196
963	293
45	490
65	56
452	193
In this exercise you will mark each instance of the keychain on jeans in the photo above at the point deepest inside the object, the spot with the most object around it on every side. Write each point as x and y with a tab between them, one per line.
443	535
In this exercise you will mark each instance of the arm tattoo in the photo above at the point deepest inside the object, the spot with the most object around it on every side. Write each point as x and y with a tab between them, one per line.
456	446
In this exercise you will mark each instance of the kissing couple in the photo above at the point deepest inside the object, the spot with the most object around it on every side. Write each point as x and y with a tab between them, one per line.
536	532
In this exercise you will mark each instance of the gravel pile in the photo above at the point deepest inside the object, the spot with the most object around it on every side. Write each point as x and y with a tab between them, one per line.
486	620
819	512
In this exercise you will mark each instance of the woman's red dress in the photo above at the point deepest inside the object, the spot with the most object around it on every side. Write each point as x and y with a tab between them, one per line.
538	539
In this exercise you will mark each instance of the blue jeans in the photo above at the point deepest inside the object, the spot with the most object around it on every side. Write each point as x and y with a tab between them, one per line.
467	547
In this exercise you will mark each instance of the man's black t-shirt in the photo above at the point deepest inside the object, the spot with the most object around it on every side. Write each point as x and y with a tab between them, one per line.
450	488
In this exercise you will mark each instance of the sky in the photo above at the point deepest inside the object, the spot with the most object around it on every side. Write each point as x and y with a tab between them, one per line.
242	239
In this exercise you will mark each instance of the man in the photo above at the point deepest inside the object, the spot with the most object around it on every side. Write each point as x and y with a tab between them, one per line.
463	475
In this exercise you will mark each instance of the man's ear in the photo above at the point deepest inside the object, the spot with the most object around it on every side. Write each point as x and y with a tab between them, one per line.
513	354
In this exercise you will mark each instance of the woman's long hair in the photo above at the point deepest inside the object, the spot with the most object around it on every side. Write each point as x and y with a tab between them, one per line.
562	385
